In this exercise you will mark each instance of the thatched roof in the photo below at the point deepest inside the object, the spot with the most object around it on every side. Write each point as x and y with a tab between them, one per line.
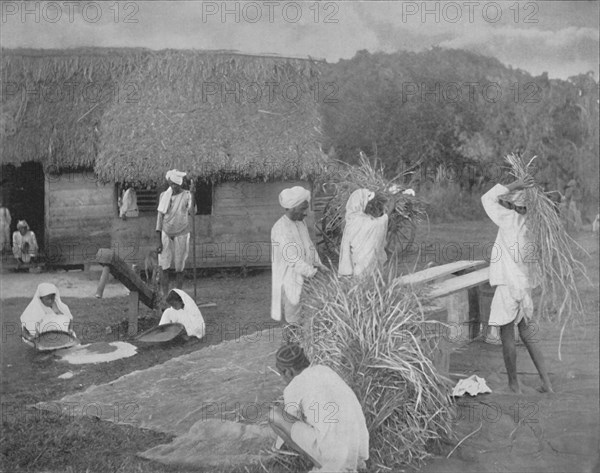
162	109
53	101
182	116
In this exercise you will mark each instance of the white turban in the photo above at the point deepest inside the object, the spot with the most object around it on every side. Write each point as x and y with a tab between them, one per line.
175	176
290	198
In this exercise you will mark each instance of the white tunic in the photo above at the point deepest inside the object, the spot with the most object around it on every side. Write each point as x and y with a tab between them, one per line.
293	257
512	252
334	431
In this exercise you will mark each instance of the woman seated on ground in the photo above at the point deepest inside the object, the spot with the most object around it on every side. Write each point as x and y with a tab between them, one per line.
45	313
183	310
25	245
364	239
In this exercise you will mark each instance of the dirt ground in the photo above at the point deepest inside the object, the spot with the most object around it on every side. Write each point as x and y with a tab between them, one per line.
500	433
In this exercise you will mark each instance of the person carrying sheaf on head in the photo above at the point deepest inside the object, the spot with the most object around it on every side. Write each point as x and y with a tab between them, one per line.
363	242
510	273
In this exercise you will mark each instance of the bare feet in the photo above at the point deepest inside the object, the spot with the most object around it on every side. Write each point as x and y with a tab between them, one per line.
545	388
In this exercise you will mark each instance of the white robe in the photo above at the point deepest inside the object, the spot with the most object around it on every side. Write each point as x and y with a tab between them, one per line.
38	318
363	242
293	257
510	260
190	316
334	431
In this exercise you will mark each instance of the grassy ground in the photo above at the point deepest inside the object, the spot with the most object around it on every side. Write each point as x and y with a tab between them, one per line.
35	441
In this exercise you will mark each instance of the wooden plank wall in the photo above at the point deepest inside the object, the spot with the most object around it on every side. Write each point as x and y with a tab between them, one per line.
238	233
78	216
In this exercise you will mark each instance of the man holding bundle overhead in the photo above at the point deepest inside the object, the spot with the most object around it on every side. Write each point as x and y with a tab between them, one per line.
293	255
321	418
509	272
173	228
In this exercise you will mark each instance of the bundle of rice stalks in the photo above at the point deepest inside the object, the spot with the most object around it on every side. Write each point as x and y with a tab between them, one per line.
373	334
554	265
408	211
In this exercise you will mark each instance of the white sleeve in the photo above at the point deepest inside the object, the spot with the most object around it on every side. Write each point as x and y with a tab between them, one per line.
500	215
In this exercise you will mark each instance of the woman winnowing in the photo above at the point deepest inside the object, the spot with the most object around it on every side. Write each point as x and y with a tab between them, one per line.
183	311
363	242
46	312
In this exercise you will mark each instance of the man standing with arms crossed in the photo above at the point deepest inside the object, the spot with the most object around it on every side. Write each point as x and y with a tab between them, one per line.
173	228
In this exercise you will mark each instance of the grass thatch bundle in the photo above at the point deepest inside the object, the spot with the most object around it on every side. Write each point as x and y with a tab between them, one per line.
345	179
373	334
553	264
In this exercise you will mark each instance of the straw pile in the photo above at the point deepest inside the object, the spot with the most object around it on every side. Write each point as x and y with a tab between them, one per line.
373	334
345	179
553	265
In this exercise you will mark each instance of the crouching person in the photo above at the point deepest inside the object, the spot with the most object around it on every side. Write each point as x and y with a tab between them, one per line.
46	313
183	310
322	418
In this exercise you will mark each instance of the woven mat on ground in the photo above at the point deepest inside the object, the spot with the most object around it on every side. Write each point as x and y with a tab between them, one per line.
214	442
235	380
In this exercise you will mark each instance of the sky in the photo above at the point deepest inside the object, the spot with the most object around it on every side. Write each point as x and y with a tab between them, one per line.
557	37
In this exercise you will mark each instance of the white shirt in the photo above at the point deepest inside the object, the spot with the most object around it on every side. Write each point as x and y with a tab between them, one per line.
190	316
321	398
293	257
512	253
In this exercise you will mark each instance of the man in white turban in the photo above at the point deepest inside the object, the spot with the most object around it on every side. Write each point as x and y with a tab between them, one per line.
509	272
173	228
293	255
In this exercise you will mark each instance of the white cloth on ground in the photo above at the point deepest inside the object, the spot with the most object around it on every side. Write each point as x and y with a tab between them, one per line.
190	316
38	318
332	429
363	242
290	198
293	258
472	385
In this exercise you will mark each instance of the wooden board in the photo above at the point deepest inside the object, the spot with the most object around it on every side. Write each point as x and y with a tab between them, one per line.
437	272
460	283
122	272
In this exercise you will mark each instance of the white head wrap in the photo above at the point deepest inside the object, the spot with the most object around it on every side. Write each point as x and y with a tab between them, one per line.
357	202
175	176
34	317
290	198
22	224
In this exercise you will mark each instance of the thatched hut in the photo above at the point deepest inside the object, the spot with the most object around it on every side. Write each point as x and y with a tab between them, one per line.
243	127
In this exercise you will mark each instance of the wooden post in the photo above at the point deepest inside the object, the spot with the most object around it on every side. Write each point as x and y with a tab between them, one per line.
103	281
134	299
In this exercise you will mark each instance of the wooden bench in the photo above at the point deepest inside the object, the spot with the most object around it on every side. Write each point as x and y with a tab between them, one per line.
139	290
454	288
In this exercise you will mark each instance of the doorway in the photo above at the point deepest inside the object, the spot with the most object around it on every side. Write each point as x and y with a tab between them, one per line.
22	189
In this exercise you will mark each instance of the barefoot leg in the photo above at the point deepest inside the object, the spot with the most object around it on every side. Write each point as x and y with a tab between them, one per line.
527	332
509	351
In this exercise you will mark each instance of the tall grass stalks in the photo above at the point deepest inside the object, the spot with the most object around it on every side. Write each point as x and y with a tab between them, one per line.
374	334
553	265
